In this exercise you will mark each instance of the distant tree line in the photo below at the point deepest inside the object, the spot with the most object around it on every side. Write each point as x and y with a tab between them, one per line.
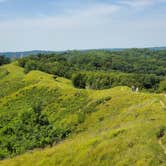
102	80
142	67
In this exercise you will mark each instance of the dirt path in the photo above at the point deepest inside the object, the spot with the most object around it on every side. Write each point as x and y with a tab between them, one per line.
159	141
162	103
162	146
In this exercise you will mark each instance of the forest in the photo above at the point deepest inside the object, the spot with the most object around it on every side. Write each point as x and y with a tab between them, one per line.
101	69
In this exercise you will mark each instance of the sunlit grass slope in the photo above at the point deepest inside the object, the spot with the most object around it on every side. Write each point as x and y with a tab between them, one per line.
107	127
60	108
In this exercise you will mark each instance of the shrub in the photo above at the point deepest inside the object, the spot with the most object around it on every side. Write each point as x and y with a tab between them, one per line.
79	80
4	60
160	133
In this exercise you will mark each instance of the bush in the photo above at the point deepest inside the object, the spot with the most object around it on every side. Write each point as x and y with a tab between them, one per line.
30	130
160	133
79	80
4	60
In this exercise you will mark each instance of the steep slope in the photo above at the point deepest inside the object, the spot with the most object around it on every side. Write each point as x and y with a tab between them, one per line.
37	110
10	79
107	127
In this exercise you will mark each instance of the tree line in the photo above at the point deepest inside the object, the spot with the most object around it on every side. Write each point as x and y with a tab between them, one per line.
142	67
102	80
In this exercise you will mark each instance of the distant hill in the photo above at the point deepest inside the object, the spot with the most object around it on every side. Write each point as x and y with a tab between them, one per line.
157	48
34	52
24	53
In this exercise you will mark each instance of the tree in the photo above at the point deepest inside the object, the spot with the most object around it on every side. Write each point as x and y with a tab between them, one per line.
79	80
4	60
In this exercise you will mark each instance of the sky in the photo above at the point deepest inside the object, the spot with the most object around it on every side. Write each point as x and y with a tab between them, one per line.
81	24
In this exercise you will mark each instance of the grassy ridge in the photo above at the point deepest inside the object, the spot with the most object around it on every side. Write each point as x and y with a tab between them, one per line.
38	111
106	127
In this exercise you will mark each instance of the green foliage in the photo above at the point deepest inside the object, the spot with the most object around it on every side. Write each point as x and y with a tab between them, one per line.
30	65
38	113
162	86
39	110
103	100
160	133
100	127
4	60
146	67
128	61
79	80
102	80
47	64
26	131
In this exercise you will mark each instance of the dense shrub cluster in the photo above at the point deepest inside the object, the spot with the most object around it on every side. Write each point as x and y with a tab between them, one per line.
29	130
101	80
47	63
32	129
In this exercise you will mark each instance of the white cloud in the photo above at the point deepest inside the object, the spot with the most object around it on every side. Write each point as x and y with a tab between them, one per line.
48	32
71	18
136	3
96	10
140	3
91	27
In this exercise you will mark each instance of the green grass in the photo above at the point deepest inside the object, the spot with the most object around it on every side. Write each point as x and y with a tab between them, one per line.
107	127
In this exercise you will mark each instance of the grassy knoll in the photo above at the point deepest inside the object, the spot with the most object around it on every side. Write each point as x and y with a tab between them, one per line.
57	124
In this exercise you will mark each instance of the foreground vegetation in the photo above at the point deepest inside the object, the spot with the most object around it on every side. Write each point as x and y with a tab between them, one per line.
36	112
76	126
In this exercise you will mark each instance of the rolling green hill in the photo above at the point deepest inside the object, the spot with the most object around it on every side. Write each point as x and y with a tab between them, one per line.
46	121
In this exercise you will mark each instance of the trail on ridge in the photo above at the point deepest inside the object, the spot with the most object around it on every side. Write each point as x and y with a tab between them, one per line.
162	146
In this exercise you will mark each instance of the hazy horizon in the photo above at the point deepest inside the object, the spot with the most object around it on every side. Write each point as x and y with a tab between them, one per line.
84	49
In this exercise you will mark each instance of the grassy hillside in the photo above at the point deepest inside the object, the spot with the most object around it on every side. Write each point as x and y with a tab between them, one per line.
77	127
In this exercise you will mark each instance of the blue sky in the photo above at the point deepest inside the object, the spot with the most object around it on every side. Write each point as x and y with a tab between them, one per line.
81	24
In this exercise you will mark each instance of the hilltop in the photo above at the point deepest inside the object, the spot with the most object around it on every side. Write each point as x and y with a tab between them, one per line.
77	126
